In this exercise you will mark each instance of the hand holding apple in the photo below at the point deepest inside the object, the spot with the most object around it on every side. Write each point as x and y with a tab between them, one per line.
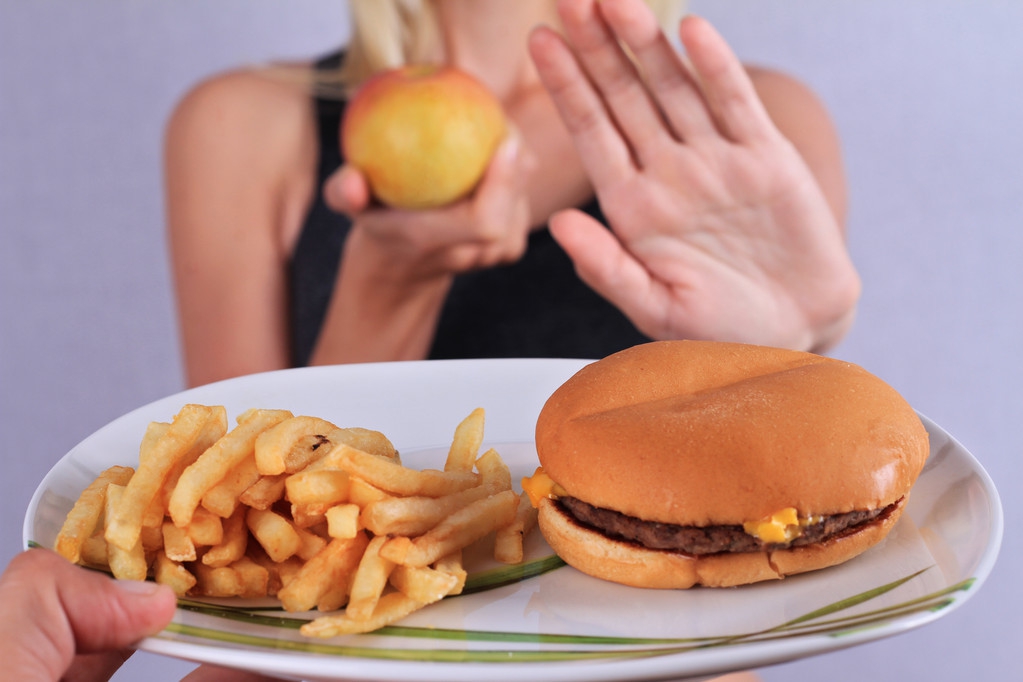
422	135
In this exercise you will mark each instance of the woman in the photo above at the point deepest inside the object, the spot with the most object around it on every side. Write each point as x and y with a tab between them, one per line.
722	188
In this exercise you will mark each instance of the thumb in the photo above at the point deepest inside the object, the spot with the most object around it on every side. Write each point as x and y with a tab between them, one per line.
605	265
600	259
107	614
53	610
347	191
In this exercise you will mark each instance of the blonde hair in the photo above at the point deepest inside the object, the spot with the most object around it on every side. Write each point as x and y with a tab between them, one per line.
391	33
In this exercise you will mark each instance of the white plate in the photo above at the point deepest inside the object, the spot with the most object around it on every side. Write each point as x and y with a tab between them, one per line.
560	625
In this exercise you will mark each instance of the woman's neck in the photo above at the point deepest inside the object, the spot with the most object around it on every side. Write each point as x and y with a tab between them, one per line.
488	39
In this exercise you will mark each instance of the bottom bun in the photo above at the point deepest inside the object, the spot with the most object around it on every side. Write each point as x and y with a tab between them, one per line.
623	562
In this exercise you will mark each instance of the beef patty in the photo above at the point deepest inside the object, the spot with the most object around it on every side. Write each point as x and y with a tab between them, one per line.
699	540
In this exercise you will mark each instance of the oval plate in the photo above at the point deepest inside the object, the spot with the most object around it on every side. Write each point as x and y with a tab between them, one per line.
548	621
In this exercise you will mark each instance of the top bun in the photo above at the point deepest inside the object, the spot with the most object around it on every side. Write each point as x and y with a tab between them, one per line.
704	433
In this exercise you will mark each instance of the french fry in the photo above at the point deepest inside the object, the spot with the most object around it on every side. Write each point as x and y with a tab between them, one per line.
462	528
280	572
222	581
389	609
425	585
332	568
396	549
334	598
495	473
84	516
508	540
206	528
415	515
369	581
320	517
306	452
323	487
264	493
223	498
366	440
212	466
125	564
94	551
307	516
213	431
290	445
311	544
154	432
177	544
275	534
392	477
125	524
452	565
466	444
361	493
254	580
151	539
166	571
233	544
343	521
152	517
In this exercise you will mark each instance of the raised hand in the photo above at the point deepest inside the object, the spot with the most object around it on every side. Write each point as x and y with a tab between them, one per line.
719	228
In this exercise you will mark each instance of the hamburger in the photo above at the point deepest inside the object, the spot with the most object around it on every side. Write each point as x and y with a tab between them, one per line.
681	463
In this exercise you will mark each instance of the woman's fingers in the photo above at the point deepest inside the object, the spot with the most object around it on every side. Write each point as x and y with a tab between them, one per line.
604	154
727	88
666	75
613	74
607	267
489	227
501	204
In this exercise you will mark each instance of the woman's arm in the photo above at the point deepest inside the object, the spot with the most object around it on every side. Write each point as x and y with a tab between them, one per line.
238	167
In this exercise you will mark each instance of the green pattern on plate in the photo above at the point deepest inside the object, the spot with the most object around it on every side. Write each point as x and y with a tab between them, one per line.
827	621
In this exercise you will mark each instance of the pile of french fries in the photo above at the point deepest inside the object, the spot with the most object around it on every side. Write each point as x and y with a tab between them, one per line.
321	517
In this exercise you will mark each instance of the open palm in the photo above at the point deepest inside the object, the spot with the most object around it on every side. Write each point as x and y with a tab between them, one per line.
719	228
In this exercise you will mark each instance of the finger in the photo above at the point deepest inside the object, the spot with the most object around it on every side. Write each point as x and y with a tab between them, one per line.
500	205
604	154
603	263
107	614
730	94
613	74
346	191
666	75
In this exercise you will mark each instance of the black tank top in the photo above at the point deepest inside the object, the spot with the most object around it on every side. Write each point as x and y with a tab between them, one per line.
536	307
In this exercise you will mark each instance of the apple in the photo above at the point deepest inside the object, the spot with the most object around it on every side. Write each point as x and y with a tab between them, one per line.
422	135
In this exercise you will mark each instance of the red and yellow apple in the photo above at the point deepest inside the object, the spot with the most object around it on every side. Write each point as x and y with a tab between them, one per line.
422	135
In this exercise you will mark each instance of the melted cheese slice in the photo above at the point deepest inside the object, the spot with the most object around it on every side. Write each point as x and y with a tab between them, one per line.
539	486
780	527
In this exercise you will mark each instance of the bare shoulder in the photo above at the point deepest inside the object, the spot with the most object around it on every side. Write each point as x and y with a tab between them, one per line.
789	101
251	115
241	147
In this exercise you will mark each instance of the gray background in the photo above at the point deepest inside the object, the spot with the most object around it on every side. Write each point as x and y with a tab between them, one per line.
928	95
